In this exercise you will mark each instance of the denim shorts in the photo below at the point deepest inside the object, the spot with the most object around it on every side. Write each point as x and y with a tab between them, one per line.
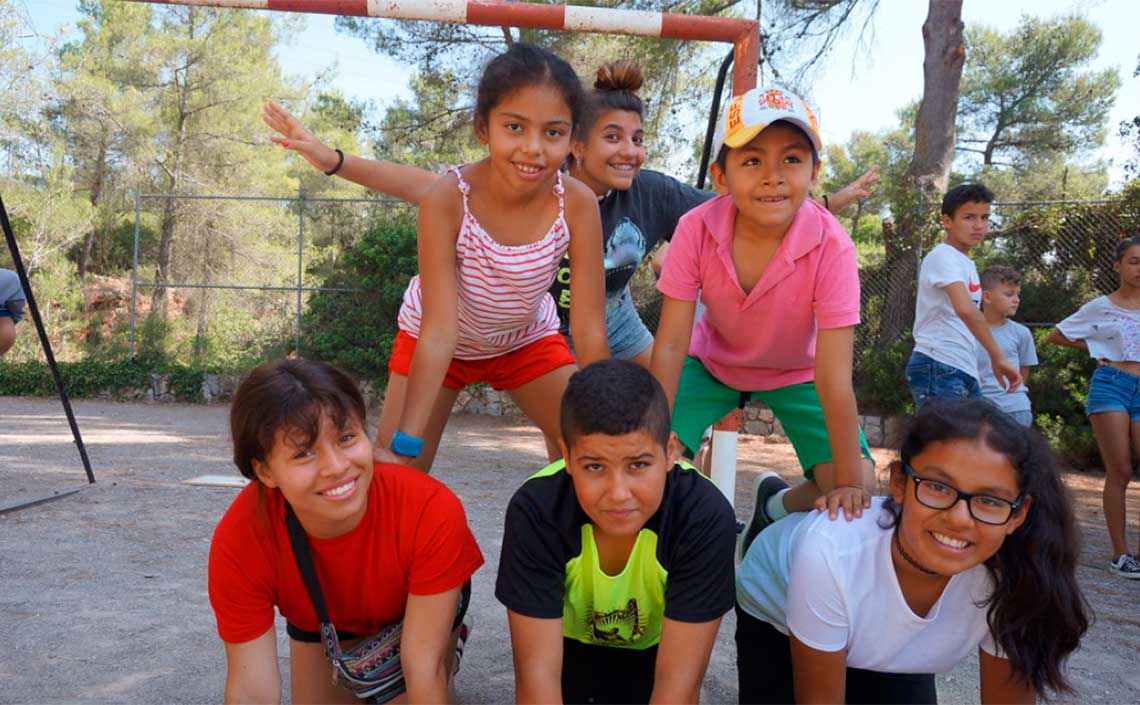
930	379
1113	390
625	331
1023	417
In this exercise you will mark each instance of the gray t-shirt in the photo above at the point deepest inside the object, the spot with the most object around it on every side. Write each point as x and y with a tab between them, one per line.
11	295
1016	343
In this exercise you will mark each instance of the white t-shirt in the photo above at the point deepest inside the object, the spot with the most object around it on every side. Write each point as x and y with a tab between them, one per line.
1016	343
938	332
833	585
1111	332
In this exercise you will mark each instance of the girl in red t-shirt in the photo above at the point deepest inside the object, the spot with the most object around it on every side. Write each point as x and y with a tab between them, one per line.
388	543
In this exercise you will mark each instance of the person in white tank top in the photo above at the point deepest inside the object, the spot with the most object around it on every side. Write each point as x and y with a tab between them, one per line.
490	236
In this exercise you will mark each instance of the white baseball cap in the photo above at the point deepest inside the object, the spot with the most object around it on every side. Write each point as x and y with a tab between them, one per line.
747	115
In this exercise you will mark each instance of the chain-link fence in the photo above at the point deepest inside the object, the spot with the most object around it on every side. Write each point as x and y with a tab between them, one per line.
1064	251
241	269
258	288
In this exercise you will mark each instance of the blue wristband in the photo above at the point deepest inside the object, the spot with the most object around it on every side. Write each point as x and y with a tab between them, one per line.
405	445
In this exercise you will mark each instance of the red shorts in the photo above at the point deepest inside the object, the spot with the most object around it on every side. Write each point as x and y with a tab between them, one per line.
503	372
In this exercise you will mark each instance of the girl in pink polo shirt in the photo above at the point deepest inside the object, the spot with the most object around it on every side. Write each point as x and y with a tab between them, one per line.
779	280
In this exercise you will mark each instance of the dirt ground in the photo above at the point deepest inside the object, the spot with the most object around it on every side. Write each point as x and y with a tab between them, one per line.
103	595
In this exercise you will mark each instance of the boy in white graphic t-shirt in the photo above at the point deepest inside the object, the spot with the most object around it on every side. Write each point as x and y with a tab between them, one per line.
947	321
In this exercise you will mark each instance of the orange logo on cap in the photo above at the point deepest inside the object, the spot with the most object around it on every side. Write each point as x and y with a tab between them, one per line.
776	100
734	116
811	119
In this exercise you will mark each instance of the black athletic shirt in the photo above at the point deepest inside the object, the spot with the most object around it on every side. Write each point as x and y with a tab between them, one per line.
681	566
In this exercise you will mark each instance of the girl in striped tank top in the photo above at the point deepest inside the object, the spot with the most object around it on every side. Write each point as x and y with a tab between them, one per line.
490	237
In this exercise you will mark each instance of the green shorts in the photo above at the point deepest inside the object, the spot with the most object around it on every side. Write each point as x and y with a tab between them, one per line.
702	400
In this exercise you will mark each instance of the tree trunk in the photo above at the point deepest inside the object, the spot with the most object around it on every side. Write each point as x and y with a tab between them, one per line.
169	217
97	181
929	171
173	183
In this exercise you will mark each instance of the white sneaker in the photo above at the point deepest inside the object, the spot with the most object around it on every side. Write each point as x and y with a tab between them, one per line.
1126	566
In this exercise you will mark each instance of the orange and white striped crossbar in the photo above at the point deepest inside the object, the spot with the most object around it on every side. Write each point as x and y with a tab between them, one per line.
743	34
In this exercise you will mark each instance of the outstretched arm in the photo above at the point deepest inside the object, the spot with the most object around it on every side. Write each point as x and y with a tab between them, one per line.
1058	338
436	231
859	188
671	344
1005	372
408	183
834	353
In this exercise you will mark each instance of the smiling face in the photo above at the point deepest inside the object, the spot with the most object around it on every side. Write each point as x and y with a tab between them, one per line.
612	153
769	177
619	480
527	134
1002	298
325	480
950	541
968	226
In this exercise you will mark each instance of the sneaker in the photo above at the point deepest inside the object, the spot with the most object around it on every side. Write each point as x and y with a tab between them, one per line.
740	527
464	633
764	486
1126	566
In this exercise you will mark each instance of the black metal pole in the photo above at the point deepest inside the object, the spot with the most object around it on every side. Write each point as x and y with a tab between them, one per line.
710	131
18	262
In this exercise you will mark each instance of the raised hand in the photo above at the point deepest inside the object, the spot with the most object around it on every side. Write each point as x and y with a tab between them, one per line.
292	135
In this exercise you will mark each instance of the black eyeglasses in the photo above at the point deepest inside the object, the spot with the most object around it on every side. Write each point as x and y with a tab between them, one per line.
983	507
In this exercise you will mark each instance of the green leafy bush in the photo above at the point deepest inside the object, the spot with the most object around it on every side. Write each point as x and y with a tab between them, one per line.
355	330
1058	389
880	379
90	378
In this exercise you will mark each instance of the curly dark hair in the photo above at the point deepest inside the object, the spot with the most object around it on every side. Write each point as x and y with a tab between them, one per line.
614	397
1037	613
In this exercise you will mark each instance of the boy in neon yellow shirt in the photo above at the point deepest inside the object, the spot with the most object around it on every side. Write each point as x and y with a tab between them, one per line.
617	565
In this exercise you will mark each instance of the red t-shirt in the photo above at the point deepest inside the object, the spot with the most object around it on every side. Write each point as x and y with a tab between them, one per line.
413	539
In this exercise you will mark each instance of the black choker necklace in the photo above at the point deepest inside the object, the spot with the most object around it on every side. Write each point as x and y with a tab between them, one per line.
906	557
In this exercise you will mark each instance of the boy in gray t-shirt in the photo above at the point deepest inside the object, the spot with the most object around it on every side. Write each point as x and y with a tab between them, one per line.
1001	295
11	308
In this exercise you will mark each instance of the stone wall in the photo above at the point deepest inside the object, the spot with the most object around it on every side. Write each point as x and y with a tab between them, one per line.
758	419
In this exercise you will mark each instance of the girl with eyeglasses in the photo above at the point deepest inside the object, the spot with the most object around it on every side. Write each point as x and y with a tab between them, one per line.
975	548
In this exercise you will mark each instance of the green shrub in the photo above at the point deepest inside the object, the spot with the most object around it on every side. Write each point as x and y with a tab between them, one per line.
880	379
1058	389
355	330
91	377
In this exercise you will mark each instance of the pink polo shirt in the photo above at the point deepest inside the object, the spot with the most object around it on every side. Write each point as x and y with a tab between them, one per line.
765	339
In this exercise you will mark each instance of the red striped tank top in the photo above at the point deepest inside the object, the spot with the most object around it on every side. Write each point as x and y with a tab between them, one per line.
504	302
